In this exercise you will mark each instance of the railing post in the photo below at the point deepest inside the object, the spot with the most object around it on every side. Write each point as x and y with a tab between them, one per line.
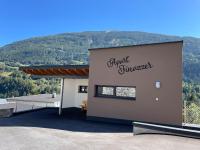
185	111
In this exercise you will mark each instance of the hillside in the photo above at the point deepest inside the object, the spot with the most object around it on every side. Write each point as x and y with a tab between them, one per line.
71	48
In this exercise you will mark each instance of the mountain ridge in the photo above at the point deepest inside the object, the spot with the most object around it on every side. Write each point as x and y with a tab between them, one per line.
72	48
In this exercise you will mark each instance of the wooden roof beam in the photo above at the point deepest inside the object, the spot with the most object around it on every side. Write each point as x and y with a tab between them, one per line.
80	72
45	71
60	71
51	72
39	71
85	71
67	72
73	71
31	71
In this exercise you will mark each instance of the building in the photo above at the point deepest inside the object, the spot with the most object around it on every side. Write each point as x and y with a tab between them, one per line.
139	82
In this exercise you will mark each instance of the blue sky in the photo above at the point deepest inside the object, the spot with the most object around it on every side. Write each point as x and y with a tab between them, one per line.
21	19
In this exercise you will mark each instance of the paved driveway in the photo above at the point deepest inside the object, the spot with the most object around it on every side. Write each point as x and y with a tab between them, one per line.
45	130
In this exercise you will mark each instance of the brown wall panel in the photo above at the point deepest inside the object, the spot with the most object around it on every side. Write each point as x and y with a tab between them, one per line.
166	61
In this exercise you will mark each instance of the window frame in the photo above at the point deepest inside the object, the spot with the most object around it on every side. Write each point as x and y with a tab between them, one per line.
114	96
79	89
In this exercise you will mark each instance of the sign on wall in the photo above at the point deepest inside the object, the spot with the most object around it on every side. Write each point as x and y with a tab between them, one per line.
123	65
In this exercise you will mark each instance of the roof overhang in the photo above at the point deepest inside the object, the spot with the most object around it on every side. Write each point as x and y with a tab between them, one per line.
68	71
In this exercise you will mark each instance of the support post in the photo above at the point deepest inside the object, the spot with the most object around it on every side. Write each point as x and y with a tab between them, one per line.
62	94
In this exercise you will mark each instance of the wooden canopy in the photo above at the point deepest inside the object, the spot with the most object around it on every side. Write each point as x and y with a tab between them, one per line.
58	70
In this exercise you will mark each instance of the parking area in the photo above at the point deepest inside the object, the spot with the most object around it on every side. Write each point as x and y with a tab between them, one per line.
44	129
32	102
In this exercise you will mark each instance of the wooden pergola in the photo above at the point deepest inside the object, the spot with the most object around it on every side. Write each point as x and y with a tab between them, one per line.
57	70
62	71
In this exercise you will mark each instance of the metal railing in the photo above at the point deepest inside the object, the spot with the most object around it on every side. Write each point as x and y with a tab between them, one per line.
191	112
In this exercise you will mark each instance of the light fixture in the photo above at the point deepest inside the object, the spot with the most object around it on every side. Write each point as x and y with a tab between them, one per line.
157	84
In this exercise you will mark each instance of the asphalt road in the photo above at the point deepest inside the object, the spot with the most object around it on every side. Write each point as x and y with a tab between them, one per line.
45	130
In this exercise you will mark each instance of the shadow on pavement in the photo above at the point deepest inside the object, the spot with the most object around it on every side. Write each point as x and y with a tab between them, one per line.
72	120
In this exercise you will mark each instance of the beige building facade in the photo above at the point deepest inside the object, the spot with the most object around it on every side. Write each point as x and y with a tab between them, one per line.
140	83
129	83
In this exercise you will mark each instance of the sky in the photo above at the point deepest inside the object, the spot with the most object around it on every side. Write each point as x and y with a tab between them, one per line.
21	19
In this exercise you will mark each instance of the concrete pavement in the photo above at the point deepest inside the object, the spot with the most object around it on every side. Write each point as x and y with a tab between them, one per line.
44	129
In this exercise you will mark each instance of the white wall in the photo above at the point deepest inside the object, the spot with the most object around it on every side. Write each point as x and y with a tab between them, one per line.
71	96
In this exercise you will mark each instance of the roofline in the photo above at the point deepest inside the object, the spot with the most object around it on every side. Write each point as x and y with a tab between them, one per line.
157	43
62	76
55	66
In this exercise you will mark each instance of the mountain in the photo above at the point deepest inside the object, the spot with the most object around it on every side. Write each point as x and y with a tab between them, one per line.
72	48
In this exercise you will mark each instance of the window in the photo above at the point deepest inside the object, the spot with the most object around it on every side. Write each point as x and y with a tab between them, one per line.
121	92
83	89
125	91
105	90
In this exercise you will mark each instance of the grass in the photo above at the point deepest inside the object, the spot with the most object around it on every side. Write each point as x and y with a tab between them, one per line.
5	74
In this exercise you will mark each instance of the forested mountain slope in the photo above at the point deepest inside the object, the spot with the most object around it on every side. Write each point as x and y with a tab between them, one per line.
72	48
